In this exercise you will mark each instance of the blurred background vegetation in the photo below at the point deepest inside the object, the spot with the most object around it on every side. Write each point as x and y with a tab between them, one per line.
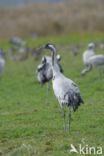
44	18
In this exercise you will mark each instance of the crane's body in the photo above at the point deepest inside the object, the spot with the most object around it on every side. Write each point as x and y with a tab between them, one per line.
97	60
66	91
44	70
44	73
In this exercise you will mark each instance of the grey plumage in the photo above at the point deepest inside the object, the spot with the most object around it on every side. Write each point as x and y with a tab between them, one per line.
44	70
44	73
90	59
2	62
97	60
65	90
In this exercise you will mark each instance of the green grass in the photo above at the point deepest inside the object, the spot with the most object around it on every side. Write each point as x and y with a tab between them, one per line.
29	126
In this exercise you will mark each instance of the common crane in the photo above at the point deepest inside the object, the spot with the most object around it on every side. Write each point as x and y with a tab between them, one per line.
86	58
91	59
44	71
65	90
2	62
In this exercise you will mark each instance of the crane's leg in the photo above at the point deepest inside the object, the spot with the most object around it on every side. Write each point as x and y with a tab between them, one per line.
87	69
64	117
47	92
69	118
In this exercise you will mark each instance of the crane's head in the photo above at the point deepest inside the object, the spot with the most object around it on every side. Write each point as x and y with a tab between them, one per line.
91	45
50	46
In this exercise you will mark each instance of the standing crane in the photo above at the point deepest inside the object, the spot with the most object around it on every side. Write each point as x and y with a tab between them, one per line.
44	71
2	62
86	58
90	59
65	90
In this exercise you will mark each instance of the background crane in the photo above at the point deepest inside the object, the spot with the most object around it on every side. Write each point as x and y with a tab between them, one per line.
90	59
2	62
44	71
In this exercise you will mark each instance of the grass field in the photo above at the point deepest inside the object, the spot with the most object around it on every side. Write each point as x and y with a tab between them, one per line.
31	127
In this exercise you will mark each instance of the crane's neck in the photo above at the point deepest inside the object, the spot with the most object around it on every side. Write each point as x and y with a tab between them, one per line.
53	58
55	66
53	50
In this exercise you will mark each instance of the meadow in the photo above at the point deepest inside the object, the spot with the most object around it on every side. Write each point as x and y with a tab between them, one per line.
29	126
